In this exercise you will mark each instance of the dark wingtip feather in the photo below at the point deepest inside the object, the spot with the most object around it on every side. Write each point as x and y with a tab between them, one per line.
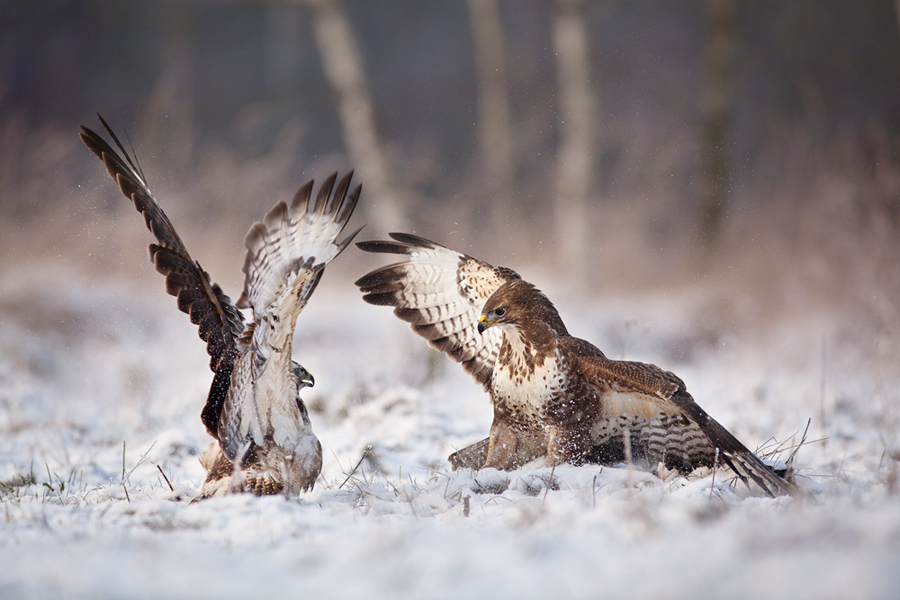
325	193
379	299
404	243
346	241
376	287
413	316
303	194
340	193
414	240
383	247
348	206
380	277
747	465
93	141
132	163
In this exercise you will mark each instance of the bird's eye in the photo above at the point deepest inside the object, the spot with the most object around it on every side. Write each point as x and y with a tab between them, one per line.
500	311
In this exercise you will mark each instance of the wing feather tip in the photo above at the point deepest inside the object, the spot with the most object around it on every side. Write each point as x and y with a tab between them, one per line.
383	247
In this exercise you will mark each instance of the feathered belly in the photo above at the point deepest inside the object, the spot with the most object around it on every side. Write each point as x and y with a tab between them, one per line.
261	404
523	396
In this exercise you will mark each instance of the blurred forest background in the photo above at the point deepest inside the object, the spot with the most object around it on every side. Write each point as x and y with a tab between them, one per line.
624	145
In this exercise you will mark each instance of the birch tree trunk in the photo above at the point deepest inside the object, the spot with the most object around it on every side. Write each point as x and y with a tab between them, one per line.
577	130
718	106
343	68
494	114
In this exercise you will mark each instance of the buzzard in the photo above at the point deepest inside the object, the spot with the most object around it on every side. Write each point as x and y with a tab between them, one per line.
553	394
264	439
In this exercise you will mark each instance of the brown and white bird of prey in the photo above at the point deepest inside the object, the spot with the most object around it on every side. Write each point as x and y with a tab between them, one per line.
553	394
253	409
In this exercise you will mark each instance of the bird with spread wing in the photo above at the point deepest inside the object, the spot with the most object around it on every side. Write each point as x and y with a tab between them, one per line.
264	439
553	394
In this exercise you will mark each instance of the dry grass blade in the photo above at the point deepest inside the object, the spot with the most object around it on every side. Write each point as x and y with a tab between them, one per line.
124	487
549	483
626	441
166	478
790	460
365	453
140	460
712	484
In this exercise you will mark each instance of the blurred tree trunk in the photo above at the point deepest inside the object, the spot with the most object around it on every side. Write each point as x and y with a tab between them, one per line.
494	114
342	64
577	131
897	11
168	115
284	46
718	110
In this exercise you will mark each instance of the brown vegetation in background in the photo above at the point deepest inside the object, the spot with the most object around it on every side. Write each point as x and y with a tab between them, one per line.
816	227
659	204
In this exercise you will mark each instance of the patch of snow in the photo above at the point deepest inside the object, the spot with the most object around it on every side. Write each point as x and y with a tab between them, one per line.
100	394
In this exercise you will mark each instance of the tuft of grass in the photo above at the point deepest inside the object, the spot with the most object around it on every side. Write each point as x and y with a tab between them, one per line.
61	485
772	451
18	481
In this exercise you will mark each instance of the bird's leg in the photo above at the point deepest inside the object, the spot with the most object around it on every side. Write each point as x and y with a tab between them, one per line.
470	457
502	446
568	444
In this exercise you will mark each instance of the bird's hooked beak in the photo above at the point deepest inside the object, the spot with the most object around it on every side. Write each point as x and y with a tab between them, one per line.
304	377
483	324
308	380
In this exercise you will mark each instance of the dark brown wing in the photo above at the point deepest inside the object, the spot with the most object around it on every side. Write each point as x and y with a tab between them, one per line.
630	390
441	293
220	323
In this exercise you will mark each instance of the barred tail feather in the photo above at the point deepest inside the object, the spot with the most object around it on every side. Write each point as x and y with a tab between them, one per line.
732	452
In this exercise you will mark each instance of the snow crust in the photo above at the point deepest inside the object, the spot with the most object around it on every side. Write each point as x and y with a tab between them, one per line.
86	367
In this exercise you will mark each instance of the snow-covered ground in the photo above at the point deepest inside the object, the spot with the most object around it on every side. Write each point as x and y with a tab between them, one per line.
102	382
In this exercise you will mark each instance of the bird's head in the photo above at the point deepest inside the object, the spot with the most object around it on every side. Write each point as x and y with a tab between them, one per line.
302	377
518	302
505	305
491	317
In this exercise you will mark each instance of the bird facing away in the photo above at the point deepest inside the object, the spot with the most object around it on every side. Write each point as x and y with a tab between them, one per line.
264	439
553	394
